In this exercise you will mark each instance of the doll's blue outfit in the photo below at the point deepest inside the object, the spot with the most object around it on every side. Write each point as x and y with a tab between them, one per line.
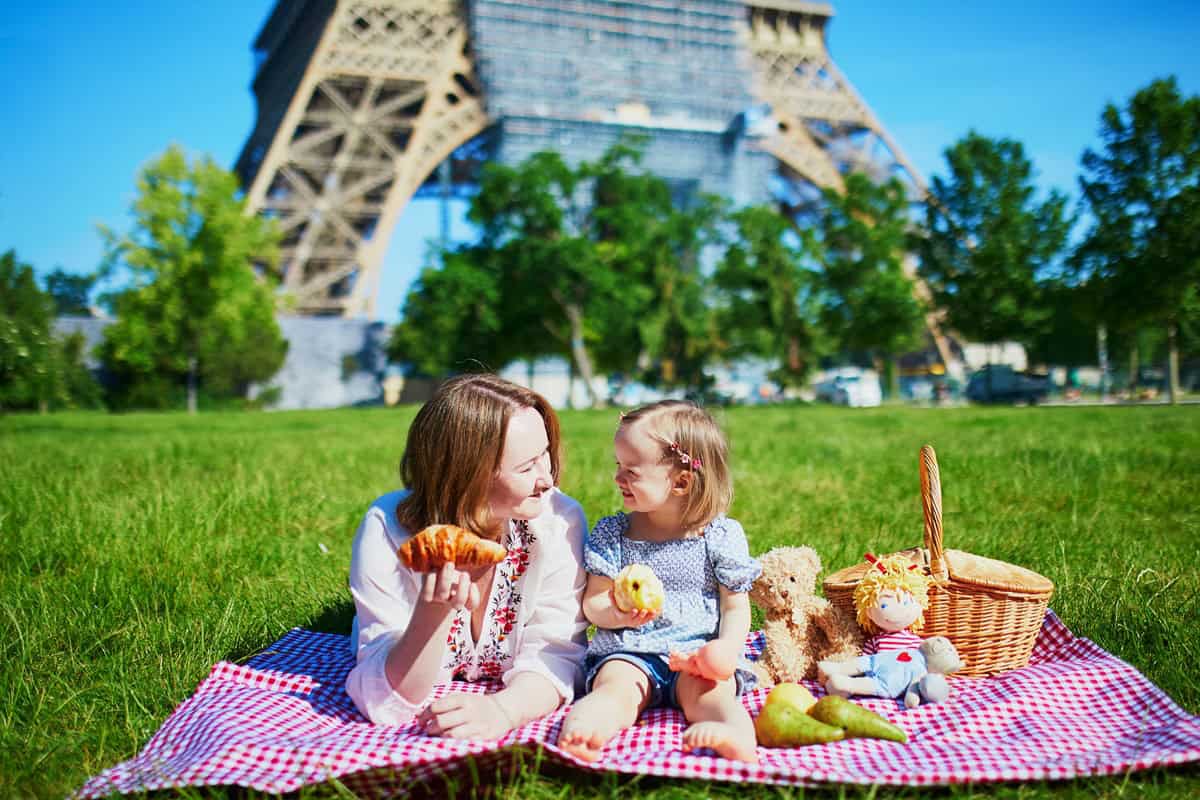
691	571
893	670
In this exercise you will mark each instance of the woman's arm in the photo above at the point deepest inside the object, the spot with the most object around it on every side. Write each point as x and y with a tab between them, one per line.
415	660
394	622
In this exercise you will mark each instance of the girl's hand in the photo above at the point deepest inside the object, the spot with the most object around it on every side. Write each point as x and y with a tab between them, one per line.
634	618
465	716
449	586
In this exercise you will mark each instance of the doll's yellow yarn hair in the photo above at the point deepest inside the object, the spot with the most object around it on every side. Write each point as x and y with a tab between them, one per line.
890	573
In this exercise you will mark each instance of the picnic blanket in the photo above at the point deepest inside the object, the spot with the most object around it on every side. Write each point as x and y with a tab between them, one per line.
284	720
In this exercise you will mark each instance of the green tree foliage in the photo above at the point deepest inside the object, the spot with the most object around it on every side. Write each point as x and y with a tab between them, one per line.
869	303
594	263
988	243
1141	256
37	369
451	319
71	293
196	309
769	296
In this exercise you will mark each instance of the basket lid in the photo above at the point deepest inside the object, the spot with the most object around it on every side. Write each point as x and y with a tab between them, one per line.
993	574
963	568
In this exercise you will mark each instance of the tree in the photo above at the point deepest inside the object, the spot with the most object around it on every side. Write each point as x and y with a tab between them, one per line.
1142	252
768	296
594	263
71	293
870	305
196	309
988	243
450	319
37	369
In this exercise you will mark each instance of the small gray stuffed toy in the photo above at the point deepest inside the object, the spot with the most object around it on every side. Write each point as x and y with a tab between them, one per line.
941	659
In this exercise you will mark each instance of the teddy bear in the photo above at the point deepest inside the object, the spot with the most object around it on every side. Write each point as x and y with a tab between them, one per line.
800	627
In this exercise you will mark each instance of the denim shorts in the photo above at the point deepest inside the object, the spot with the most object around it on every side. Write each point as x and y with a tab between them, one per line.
662	679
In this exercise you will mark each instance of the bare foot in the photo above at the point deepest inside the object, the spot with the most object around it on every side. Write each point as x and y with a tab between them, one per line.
585	731
723	738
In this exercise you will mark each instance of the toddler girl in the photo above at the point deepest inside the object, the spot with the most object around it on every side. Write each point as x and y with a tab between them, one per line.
673	474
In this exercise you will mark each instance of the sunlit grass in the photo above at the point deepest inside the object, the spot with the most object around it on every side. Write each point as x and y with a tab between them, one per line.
138	550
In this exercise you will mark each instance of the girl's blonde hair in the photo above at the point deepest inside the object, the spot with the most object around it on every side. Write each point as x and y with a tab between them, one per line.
685	429
454	448
890	574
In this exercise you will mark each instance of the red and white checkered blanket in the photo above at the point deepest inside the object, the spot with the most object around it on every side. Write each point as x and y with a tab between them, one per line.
284	720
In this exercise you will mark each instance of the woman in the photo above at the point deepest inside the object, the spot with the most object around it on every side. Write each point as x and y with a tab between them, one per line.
483	454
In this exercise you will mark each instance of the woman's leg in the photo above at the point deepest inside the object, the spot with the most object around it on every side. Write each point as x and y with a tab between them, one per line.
619	693
718	719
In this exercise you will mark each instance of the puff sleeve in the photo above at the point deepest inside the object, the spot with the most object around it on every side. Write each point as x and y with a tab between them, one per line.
602	548
729	553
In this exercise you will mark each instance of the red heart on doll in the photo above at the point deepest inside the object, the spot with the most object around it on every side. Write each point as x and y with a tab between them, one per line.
904	658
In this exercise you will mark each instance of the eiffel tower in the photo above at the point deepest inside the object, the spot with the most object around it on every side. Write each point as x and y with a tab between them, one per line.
360	102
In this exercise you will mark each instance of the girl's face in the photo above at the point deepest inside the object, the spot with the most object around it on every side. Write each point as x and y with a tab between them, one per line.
895	611
644	479
524	476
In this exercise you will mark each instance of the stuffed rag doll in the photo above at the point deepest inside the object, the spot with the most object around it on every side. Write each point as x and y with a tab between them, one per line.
916	674
890	603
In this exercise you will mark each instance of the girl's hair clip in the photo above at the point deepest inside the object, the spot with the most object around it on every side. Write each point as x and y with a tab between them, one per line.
691	463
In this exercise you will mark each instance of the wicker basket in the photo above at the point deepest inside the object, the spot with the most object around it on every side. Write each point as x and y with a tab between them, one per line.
991	610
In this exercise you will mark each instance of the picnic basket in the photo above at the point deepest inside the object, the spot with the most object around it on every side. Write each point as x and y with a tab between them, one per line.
991	610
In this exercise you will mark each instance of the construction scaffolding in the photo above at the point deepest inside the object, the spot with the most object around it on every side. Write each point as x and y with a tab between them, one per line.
359	101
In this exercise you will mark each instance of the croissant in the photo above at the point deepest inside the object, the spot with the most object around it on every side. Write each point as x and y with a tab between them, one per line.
434	546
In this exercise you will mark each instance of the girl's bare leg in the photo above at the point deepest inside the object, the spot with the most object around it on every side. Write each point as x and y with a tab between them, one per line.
718	719
619	693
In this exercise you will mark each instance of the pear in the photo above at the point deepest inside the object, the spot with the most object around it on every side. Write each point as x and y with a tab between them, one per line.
638	587
857	721
793	694
783	723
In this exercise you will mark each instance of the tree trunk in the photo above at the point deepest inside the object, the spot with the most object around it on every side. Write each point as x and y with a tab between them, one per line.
1102	355
191	385
579	353
1172	363
987	378
793	355
1133	370
894	378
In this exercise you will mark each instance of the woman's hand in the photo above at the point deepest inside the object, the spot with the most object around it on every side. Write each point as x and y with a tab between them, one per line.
466	716
449	586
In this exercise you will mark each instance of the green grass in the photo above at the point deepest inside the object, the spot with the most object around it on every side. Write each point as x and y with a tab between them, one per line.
138	550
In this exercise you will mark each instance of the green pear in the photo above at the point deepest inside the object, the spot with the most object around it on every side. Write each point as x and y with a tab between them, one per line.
781	724
857	721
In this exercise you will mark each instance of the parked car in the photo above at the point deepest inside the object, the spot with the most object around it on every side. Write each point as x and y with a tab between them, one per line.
1000	383
850	386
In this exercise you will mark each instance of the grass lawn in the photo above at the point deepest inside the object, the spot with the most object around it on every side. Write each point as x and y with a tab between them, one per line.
138	550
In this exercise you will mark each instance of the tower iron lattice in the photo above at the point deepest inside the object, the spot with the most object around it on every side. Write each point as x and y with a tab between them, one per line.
360	101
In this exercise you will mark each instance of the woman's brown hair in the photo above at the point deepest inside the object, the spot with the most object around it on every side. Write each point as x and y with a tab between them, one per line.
454	447
694	432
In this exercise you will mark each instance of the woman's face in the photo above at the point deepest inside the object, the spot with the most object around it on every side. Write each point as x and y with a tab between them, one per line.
524	476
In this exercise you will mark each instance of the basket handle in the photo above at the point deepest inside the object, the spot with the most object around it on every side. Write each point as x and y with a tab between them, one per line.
931	504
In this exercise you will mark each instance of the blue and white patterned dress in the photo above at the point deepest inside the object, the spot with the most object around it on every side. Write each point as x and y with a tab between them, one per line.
690	570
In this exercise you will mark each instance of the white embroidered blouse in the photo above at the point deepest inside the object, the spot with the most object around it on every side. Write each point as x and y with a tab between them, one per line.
534	621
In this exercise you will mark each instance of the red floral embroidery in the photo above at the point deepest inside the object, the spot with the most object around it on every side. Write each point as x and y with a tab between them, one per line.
492	654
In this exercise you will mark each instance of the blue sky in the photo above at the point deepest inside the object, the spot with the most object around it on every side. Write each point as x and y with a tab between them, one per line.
92	91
